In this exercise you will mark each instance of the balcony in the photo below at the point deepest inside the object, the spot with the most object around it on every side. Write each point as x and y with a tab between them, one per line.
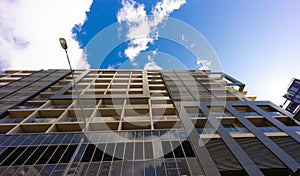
268	129
5	121
237	130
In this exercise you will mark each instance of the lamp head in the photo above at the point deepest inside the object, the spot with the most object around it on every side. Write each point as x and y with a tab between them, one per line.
63	43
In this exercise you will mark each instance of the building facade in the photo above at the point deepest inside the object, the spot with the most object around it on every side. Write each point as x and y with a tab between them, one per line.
292	99
137	122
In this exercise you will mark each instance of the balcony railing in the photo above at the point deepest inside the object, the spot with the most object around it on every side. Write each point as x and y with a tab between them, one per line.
220	114
268	129
3	121
237	130
27	107
196	115
41	120
275	113
206	131
249	114
295	128
56	107
71	119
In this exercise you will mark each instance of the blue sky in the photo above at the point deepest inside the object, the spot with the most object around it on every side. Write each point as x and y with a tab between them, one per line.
256	41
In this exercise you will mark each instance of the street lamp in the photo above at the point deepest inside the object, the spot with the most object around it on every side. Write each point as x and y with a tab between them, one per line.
64	45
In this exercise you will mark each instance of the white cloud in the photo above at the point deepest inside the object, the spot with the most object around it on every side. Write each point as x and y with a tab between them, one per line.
151	65
142	29
29	33
203	64
115	66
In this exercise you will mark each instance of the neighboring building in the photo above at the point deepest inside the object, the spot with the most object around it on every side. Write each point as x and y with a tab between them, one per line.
292	103
140	123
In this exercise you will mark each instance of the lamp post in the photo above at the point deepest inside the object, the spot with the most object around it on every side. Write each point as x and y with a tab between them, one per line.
64	45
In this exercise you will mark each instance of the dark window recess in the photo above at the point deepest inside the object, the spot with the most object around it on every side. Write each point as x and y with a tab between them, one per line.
88	153
188	149
167	149
68	154
222	156
109	151
25	155
36	155
178	152
7	152
58	154
46	155
13	156
264	159
98	153
148	150
289	145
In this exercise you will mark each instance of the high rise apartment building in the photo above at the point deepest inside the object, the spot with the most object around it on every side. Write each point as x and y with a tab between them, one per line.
138	122
292	99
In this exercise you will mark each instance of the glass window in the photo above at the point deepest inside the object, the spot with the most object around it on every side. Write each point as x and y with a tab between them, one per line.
47	154
13	156
182	167
58	154
149	168
127	167
25	155
167	149
148	148
119	151
6	153
20	140
116	168
178	152
10	140
30	139
98	153
246	111
80	152
129	151
87	156
38	140
58	139
48	138
109	152
139	168
139	153
105	167
68	139
93	169
188	149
